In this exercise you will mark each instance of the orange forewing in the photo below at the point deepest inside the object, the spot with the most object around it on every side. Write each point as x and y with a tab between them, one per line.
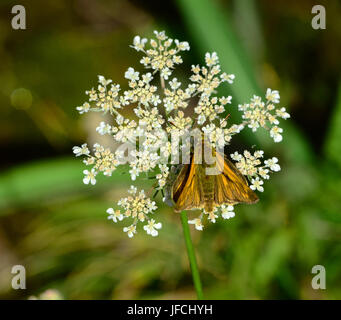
187	191
231	186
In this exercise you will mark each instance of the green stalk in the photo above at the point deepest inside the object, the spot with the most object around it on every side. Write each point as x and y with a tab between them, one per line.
191	256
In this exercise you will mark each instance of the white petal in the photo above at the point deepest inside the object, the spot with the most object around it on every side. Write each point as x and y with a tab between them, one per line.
86	180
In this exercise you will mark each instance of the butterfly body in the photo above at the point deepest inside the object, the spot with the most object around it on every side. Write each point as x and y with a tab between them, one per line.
207	186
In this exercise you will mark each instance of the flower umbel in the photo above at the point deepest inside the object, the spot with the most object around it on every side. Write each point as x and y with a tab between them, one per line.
138	207
149	140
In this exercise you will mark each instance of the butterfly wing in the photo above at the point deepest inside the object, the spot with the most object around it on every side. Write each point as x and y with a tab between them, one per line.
174	172
231	186
187	189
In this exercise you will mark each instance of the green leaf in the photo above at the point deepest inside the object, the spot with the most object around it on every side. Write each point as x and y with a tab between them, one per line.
274	255
45	180
333	140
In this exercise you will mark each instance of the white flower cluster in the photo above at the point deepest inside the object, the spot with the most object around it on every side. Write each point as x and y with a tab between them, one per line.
207	78
138	207
162	55
265	114
103	99
225	211
102	160
141	90
160	104
251	166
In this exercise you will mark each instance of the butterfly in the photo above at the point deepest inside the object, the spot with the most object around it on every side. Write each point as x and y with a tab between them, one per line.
189	187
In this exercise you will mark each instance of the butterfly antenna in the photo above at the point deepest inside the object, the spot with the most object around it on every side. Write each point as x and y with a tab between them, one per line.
172	123
151	189
225	118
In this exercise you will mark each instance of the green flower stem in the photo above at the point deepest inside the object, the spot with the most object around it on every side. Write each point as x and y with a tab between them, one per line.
191	256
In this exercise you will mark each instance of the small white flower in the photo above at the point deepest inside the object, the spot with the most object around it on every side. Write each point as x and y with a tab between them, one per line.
236	128
225	100
103	81
197	223
272	164
174	84
139	43
131	230
230	78
201	119
257	184
134	172
165	73
155	100
161	35
272	95
151	227
259	154
254	125
103	128
168	43
90	176
132	190
236	156
263	173
275	133
227	212
82	150
84	108
282	113
146	78
115	215
227	77
182	46
191	89
195	68
145	61
211	59
273	119
131	74
153	43
211	215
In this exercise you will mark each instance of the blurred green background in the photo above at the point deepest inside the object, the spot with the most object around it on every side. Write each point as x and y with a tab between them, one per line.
57	227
